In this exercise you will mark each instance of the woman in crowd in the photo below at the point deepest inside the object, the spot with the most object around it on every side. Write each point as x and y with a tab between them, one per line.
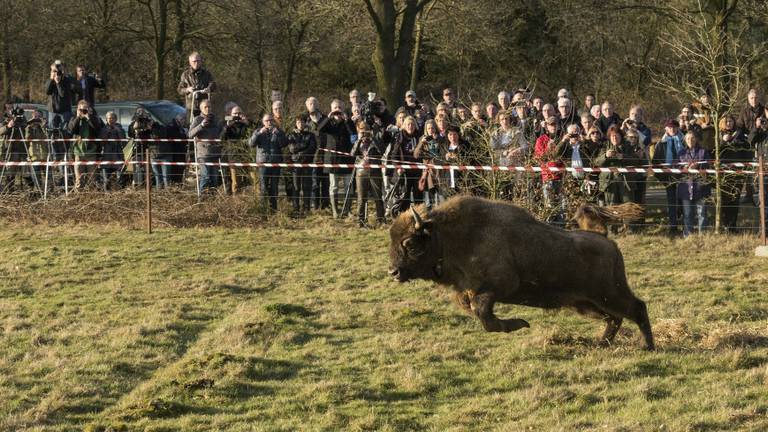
734	148
693	190
431	150
616	186
113	135
405	144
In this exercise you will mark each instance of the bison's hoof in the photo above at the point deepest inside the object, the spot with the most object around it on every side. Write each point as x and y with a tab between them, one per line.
511	325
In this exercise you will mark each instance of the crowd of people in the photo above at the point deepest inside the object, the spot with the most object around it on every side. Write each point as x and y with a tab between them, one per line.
517	129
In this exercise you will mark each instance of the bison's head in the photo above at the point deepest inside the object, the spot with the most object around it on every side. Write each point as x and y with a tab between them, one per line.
412	251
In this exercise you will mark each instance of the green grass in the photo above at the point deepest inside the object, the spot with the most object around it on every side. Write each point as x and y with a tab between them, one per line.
103	328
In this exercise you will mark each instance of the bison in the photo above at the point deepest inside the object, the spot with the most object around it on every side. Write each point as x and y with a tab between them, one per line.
490	251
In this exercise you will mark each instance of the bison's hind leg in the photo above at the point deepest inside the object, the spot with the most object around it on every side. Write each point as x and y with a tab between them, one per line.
630	307
612	322
612	326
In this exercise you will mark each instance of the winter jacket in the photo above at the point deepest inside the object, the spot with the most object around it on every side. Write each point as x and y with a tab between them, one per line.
203	147
694	187
269	145
87	128
747	117
112	150
60	96
85	88
605	122
302	146
616	179
549	155
666	152
334	135
199	79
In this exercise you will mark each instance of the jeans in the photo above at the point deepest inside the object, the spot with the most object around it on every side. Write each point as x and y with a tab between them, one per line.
554	200
688	214
320	187
161	172
269	179
209	175
302	188
672	204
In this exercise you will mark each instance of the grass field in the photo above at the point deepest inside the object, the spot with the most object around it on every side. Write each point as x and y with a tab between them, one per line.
300	329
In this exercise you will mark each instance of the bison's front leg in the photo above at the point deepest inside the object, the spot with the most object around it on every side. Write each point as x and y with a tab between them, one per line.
482	306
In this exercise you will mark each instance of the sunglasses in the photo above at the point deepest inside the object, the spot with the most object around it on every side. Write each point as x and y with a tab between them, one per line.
447	94
594	133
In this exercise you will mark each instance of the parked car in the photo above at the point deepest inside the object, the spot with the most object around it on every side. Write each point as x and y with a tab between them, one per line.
162	111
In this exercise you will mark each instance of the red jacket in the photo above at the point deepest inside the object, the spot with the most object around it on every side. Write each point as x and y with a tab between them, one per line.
544	152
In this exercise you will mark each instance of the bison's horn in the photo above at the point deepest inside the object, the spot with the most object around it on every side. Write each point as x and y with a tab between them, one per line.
417	222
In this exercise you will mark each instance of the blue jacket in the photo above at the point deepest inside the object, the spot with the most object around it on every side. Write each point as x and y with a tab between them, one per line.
269	145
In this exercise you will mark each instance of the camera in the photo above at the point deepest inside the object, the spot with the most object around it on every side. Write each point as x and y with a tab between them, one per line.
142	121
573	135
17	115
234	118
370	110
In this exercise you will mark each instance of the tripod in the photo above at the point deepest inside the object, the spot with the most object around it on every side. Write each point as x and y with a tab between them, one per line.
16	130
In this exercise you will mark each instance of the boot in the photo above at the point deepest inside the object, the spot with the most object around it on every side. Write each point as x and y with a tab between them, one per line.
335	206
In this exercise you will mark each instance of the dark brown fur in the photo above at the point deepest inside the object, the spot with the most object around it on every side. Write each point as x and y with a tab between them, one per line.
490	252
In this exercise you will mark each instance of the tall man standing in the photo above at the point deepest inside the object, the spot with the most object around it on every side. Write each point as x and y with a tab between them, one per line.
196	84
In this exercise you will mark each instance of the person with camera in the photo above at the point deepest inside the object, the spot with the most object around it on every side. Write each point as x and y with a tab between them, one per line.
431	150
234	132
113	136
206	131
269	142
85	127
38	146
196	84
403	148
147	134
666	152
734	148
548	153
368	150
642	134
60	89
578	154
176	133
302	145
313	117
337	130
617	187
14	148
693	190
86	84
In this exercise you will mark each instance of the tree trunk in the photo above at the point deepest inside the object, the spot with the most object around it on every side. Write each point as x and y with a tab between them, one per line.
417	51
6	54
392	55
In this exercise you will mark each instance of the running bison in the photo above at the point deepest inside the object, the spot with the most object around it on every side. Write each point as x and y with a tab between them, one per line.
492	252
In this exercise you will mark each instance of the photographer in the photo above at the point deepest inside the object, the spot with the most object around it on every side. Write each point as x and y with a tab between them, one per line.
320	183
85	126
269	142
403	149
196	84
617	187
86	84
113	135
302	145
234	132
145	132
206	132
733	149
337	130
59	90
667	152
368	150
36	134
177	134
12	132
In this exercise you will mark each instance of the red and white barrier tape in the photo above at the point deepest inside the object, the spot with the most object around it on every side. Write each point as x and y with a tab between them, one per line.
408	166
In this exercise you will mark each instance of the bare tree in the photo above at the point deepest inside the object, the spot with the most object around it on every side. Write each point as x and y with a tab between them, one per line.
707	56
